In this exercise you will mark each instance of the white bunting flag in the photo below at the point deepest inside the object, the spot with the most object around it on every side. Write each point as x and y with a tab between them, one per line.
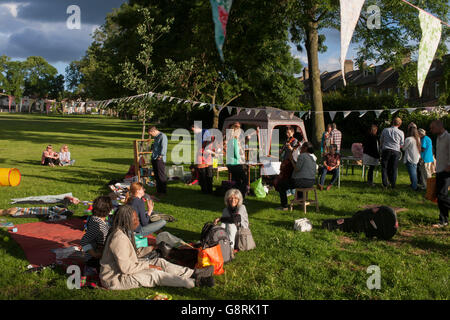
362	113
179	101
447	108
411	110
247	111
393	111
301	113
350	11
332	114
291	115
431	35
346	113
378	113
238	110
171	98
257	111
230	109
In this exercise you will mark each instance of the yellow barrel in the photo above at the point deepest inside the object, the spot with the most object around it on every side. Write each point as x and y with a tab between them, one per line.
10	177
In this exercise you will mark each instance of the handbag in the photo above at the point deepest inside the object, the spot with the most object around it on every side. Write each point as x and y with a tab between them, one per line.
244	240
431	190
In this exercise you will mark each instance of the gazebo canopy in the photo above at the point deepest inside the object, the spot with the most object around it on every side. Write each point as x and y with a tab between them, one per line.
265	118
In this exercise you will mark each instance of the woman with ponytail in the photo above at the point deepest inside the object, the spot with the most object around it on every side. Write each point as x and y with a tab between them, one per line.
144	208
124	267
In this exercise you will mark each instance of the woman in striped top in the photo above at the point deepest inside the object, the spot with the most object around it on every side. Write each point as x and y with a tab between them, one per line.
97	229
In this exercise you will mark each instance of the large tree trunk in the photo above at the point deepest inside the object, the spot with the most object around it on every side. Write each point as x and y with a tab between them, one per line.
312	48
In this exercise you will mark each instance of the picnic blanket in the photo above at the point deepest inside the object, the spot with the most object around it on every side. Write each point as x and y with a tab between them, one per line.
38	239
45	243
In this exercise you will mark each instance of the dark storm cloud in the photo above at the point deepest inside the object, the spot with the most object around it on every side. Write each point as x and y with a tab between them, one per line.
38	28
92	11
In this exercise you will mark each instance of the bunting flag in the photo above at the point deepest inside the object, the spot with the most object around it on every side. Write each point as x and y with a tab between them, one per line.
378	113
447	108
230	109
431	35
332	114
350	11
346	113
394	111
238	110
257	111
411	110
248	111
220	12
362	113
301	113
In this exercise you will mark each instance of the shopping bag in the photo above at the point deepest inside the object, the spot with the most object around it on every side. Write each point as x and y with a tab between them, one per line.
431	190
258	188
211	256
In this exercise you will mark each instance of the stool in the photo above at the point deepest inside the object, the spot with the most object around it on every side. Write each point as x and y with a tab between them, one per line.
304	201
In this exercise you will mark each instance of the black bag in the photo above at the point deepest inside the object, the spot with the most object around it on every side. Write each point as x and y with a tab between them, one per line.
382	224
213	235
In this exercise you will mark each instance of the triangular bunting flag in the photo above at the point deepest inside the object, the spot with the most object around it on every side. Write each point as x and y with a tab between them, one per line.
350	11
431	35
211	107
362	113
230	109
257	111
332	114
238	110
301	113
220	11
291	115
378	112
393	111
346	113
179	101
247	111
411	110
203	104
447	108
171	98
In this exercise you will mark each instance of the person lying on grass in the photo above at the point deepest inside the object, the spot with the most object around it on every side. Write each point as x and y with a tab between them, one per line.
144	209
97	229
124	267
234	215
50	157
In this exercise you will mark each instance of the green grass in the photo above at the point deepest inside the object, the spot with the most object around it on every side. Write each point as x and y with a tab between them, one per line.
285	265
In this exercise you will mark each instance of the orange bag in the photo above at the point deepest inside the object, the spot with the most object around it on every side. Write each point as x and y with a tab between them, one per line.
211	256
431	189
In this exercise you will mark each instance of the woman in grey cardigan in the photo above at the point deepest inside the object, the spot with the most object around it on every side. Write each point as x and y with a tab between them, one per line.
304	175
234	214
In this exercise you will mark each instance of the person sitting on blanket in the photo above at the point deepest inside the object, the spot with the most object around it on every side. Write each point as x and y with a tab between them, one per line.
141	204
97	228
50	157
234	215
124	267
64	156
331	163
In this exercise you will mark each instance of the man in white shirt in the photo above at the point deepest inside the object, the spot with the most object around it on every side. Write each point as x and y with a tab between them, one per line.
442	170
391	141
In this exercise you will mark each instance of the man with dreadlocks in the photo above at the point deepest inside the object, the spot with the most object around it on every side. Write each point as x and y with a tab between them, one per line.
125	267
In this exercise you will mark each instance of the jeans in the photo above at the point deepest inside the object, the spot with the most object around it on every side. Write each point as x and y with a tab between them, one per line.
412	171
239	176
159	169
231	230
389	166
150	228
323	176
205	177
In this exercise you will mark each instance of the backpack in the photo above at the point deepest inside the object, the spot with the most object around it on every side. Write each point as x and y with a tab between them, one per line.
383	224
213	235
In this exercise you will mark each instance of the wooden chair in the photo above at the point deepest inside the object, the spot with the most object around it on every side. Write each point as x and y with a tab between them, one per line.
304	201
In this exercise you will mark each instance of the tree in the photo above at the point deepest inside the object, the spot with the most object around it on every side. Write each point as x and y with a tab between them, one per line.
258	68
397	38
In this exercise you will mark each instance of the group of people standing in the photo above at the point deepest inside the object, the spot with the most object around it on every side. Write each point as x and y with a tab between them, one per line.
417	156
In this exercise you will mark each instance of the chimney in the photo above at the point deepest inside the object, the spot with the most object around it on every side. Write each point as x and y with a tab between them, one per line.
348	66
305	74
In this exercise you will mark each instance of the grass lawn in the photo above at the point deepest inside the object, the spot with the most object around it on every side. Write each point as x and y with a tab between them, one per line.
286	264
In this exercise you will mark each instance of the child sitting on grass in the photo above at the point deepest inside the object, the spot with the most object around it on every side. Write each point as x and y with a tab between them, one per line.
97	229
